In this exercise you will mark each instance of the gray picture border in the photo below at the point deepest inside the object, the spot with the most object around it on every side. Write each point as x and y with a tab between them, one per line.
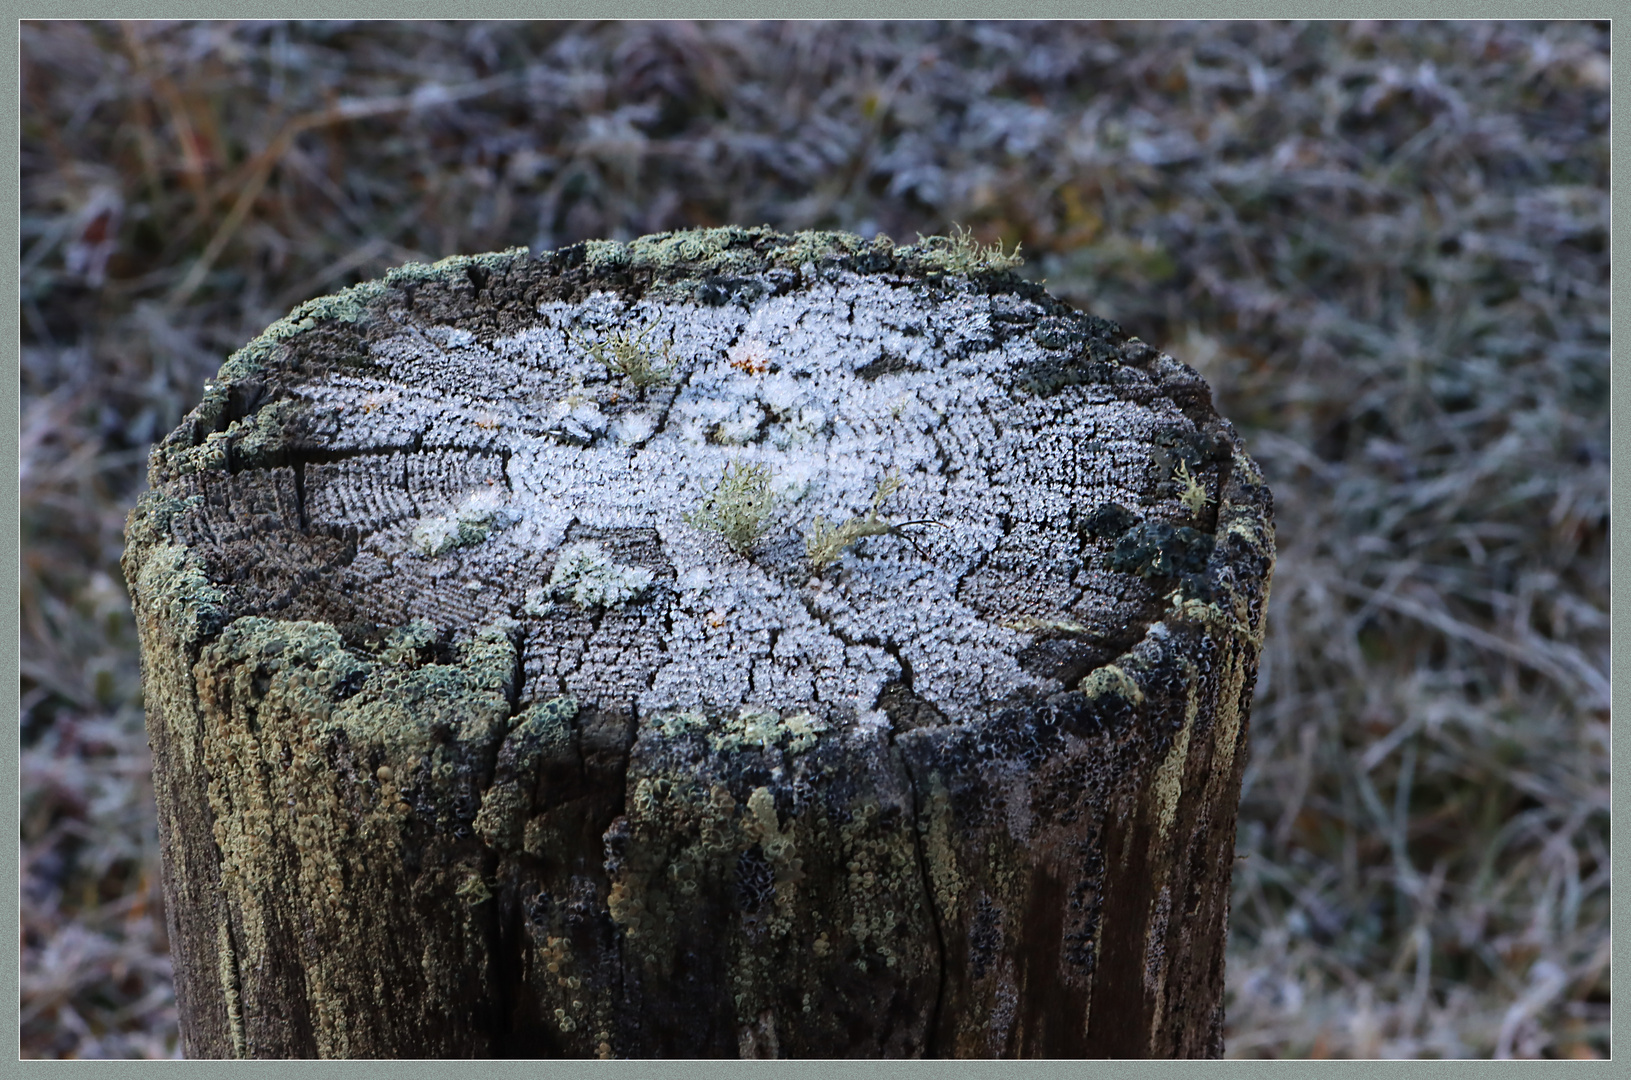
10	561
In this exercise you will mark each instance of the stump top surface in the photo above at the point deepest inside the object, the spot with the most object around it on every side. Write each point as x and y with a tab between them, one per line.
535	443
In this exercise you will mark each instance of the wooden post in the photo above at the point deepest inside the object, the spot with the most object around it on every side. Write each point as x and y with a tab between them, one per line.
721	644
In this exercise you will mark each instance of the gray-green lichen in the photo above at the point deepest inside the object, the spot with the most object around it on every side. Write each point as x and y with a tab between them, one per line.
587	576
739	508
480	516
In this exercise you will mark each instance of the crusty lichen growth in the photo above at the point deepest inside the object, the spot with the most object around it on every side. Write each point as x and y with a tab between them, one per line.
470	524
739	507
318	758
586	575
543	731
761	729
628	355
801	873
1112	679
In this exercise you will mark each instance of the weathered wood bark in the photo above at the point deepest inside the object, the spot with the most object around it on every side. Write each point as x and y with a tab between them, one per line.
472	739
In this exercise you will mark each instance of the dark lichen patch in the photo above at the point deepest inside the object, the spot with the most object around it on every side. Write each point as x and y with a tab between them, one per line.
1075	333
1082	350
1110	521
719	290
1196	447
1157	549
754	885
985	934
1049	375
799	869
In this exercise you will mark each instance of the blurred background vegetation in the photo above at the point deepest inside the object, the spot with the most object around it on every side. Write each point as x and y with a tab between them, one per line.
1383	244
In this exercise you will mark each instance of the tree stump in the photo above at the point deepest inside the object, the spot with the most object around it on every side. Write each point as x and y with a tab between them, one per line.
725	643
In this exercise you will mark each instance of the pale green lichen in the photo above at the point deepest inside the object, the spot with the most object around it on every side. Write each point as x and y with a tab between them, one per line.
473	890
543	730
173	585
1193	493
810	246
1111	679
961	253
472	523
1168	783
587	576
628	355
402	644
1029	624
939	848
739	507
750	728
825	542
286	713
759	826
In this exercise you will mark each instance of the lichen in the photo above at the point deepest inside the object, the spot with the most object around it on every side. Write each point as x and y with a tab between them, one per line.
1030	624
1192	492
480	516
786	840
1109	522
626	354
586	575
1157	549
940	851
739	507
1167	785
826	541
961	253
1111	679
762	729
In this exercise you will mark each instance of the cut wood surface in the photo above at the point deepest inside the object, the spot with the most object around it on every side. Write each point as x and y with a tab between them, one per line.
720	644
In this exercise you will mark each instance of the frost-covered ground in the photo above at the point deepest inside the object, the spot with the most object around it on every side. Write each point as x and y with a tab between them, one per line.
1385	246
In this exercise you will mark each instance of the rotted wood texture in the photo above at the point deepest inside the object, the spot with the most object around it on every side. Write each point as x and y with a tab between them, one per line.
475	733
